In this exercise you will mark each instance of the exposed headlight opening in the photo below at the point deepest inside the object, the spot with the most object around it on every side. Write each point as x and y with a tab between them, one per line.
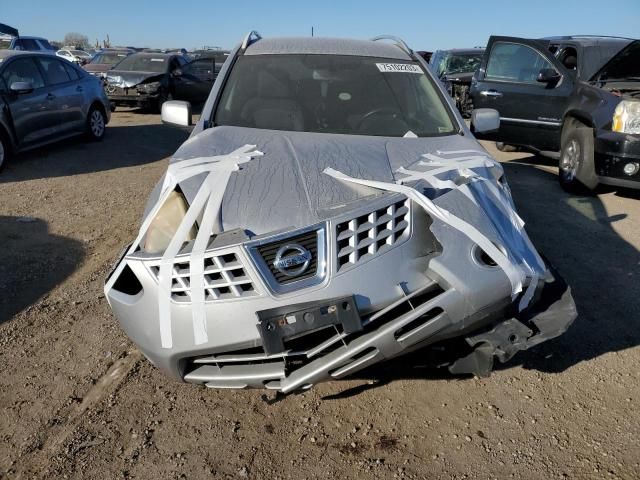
165	224
151	87
626	118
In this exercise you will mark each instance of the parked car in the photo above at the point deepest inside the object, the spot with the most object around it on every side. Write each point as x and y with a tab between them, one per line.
576	95
44	99
31	44
330	210
147	80
105	60
456	68
77	56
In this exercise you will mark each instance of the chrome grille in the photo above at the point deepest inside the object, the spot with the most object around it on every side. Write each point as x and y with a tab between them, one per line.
225	278
307	240
373	233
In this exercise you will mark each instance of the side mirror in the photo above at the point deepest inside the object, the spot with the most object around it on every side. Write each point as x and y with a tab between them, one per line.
485	120
21	87
176	112
548	76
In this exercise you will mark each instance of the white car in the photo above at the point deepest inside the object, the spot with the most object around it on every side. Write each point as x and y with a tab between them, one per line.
77	56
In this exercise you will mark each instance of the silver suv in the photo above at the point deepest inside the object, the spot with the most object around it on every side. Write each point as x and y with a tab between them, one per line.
330	210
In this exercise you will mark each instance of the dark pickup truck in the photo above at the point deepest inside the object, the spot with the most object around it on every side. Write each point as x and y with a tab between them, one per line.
579	95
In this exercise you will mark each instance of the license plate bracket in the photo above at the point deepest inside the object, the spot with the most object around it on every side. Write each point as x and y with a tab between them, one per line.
276	325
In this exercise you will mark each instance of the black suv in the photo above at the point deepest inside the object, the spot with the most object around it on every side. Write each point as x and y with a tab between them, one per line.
579	95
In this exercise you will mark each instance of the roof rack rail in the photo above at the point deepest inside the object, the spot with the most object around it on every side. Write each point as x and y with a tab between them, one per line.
250	38
397	41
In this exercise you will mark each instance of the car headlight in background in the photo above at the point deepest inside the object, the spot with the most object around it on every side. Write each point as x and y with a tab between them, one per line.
626	118
165	224
150	87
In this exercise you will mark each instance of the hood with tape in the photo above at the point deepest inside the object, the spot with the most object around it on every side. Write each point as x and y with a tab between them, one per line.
286	187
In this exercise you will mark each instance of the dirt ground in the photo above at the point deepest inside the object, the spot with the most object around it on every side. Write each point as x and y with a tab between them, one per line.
78	401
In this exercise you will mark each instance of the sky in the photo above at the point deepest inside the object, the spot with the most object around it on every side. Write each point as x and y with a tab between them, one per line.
424	25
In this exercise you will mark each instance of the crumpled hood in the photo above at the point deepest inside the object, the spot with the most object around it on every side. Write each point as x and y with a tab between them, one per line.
127	79
287	187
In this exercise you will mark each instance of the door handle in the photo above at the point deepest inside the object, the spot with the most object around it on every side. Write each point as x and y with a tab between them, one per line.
490	93
79	88
51	96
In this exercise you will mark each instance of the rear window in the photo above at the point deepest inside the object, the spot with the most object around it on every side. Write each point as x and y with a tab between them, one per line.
333	94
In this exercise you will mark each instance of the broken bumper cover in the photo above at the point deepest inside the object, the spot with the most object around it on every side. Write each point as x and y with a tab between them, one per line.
237	356
613	152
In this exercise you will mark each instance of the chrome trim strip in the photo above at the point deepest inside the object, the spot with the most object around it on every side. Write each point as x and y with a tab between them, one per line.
531	122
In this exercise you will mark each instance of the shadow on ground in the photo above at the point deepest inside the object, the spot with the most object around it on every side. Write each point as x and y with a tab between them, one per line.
32	262
576	234
123	146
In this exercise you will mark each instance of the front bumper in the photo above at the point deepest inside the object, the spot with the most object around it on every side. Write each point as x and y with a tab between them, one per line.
612	151
414	294
134	99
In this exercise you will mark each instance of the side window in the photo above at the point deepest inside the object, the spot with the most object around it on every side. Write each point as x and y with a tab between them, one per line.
72	72
23	70
199	68
54	70
569	58
30	44
514	62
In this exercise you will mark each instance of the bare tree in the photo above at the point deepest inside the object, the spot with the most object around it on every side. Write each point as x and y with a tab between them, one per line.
76	39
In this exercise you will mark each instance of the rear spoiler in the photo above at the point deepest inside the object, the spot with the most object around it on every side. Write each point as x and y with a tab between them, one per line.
7	30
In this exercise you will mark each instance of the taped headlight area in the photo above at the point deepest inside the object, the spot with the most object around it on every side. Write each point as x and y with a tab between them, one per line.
159	232
477	177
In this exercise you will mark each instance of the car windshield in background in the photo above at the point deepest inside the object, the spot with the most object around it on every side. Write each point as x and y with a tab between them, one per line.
333	94
146	63
79	53
460	63
108	58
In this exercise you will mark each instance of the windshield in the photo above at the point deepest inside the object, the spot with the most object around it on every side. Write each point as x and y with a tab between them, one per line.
333	94
108	58
143	63
460	63
624	66
79	53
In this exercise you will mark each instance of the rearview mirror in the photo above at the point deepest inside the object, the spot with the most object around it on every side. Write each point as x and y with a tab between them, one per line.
176	112
21	87
485	120
548	76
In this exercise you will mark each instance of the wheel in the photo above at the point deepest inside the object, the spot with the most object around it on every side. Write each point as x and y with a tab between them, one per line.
4	152
505	147
96	124
164	97
576	163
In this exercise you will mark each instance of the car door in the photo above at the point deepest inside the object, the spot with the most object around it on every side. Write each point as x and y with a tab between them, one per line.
28	110
196	80
530	111
67	94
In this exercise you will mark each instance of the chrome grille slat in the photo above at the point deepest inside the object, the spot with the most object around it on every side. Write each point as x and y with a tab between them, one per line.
368	235
225	277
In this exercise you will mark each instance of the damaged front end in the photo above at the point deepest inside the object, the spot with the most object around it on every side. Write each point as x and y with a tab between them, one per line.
431	250
129	90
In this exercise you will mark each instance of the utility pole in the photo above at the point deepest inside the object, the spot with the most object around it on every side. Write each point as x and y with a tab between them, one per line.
312	30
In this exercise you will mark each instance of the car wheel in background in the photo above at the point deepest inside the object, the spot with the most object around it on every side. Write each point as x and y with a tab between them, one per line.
96	124
576	166
505	147
4	152
164	97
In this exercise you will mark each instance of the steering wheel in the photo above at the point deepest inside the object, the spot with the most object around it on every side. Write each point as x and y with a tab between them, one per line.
377	111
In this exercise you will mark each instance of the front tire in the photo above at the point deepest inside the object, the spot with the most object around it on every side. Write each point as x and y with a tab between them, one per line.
4	151
164	97
96	124
576	164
